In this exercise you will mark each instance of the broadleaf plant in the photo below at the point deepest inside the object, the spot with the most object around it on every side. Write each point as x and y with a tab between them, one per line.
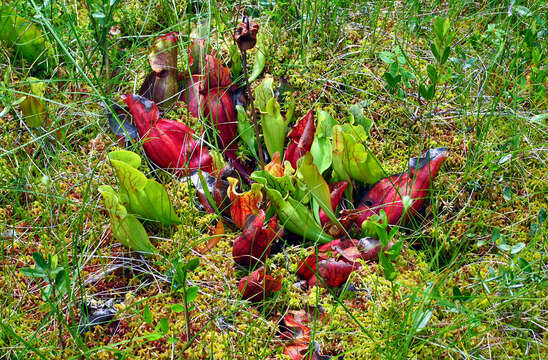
142	196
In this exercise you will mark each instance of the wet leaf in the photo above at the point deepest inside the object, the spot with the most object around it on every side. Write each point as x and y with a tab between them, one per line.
316	184
336	191
334	273
125	227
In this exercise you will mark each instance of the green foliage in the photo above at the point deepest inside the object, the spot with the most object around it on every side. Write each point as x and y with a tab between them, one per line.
23	35
144	197
322	150
34	109
352	160
125	227
48	270
258	65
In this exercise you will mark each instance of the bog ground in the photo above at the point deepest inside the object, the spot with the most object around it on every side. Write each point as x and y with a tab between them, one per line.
404	217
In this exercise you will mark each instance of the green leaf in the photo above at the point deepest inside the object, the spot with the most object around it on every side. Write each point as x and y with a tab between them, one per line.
389	269
310	175
192	264
34	109
387	57
358	118
177	308
163	326
351	159
258	65
432	73
541	216
263	93
321	150
395	250
147	315
191	294
128	157
517	248
296	217
40	262
421	319
506	193
20	33
125	227
445	55
325	124
435	52
524	265
142	196
246	131
273	128
33	273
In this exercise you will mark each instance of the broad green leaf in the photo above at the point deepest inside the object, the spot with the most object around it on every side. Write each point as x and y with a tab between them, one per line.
351	159
325	124
191	294
387	57
310	175
142	196
273	128
432	73
20	33
192	264
357	117
128	157
125	227
258	65
263	93
40	262
147	315
296	217
322	152
177	308
246	131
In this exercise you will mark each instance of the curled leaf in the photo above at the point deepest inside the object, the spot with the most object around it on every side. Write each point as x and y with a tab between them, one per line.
34	109
125	227
220	110
253	245
302	136
168	143
273	127
388	194
245	34
161	86
258	286
274	167
243	204
336	191
351	159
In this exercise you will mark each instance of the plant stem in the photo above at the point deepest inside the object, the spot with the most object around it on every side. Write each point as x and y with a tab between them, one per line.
253	113
187	315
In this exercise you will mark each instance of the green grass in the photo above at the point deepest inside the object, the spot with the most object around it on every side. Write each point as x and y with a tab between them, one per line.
466	286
